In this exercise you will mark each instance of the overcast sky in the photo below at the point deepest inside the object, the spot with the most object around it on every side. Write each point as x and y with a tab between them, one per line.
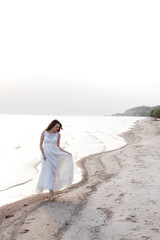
79	57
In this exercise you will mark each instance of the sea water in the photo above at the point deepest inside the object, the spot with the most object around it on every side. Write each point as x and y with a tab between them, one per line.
20	156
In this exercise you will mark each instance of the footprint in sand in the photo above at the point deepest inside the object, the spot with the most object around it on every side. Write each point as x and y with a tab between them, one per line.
9	216
24	231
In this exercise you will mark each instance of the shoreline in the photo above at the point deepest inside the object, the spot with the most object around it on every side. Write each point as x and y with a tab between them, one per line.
98	206
9	194
79	163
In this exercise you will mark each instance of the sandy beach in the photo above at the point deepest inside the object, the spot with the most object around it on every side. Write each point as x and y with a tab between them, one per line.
117	199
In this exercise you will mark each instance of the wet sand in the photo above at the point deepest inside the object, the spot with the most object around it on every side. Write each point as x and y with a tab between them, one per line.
117	199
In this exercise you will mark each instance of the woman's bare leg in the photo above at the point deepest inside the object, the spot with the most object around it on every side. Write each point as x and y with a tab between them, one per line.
51	195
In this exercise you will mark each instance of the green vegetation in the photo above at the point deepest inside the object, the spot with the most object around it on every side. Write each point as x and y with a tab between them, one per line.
155	112
141	111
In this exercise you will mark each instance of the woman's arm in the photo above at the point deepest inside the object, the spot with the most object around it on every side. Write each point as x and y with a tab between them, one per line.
41	145
58	145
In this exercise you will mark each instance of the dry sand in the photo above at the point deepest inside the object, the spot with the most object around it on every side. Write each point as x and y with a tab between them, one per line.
118	198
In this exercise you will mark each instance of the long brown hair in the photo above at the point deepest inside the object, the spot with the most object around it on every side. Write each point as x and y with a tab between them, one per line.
52	124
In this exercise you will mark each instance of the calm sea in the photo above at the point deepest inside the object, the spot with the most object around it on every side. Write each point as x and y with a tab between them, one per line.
20	156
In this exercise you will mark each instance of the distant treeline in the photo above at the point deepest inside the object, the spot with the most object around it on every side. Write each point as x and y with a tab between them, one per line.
142	111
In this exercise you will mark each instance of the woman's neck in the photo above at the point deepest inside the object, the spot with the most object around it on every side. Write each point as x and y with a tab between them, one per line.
51	131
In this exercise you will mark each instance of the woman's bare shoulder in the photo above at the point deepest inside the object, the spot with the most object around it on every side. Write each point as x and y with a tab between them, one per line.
42	134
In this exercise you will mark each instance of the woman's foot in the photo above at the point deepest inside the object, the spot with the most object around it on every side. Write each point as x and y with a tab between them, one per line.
51	198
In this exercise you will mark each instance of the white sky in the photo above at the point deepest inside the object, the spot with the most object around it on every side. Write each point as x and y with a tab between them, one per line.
79	57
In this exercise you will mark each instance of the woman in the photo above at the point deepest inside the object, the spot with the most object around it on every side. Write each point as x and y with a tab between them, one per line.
57	164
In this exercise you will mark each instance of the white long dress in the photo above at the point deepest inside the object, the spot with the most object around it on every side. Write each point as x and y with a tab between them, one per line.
57	170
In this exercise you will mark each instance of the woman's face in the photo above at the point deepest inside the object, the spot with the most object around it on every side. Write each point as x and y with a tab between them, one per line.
56	127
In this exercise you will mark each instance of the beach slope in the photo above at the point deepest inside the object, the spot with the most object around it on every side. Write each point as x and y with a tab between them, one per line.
117	199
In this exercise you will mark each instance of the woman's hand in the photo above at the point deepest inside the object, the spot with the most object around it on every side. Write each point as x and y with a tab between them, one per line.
62	150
